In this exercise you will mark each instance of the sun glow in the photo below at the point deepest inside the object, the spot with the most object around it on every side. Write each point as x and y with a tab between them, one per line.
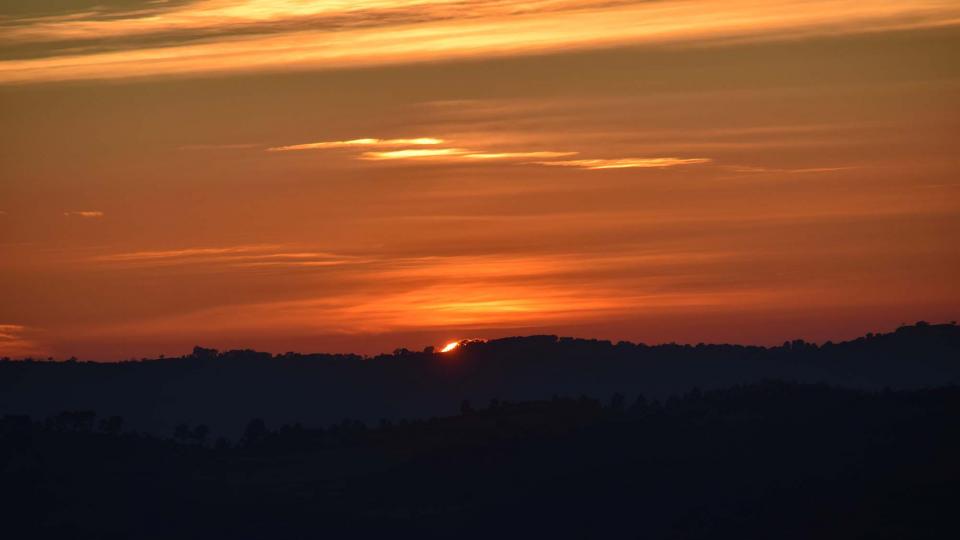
450	346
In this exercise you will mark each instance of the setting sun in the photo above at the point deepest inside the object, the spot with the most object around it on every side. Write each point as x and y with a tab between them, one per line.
450	346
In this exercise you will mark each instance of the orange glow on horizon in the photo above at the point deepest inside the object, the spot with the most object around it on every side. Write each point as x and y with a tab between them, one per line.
353	176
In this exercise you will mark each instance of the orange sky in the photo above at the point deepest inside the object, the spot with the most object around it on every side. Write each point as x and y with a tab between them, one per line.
365	175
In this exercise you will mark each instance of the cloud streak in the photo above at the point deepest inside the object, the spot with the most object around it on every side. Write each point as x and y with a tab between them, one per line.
15	341
228	36
415	154
517	155
240	256
399	293
458	154
421	148
626	163
806	170
357	143
201	147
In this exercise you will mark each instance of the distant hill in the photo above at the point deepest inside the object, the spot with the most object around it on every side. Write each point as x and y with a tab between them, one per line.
224	390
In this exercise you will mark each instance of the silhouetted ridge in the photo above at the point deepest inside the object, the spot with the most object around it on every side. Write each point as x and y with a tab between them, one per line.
224	390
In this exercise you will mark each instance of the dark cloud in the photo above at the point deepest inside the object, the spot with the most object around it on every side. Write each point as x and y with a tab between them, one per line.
18	9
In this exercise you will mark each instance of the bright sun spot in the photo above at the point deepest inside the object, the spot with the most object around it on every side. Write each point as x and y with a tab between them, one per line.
450	346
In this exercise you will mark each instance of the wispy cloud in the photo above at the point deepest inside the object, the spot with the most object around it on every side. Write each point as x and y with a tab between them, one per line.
805	170
513	266
421	148
15	341
200	147
626	163
396	293
355	143
240	256
518	155
10	331
184	253
460	154
337	261
415	153
218	36
84	213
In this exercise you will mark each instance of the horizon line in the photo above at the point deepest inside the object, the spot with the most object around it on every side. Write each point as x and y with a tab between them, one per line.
435	348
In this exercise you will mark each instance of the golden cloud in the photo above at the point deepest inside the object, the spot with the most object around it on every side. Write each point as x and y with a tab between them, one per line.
626	163
353	143
227	36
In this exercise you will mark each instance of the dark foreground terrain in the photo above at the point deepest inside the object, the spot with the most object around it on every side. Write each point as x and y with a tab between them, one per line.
852	440
770	460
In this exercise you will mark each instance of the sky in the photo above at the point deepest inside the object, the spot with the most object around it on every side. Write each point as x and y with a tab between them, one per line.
358	176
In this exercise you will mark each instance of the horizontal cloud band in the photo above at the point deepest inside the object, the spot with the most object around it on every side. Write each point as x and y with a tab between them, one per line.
224	36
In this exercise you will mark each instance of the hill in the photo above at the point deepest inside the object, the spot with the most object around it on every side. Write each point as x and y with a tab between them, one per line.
224	390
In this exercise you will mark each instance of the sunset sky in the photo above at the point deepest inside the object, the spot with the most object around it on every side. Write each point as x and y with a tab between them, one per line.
361	175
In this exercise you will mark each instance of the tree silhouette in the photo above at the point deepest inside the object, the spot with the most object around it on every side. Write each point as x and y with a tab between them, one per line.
112	425
255	432
200	433
182	433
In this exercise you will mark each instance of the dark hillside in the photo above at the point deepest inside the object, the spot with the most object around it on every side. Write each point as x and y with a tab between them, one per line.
224	390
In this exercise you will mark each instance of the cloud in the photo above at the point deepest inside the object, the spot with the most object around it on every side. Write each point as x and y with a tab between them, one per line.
807	170
626	163
182	253
459	154
15	341
354	143
518	155
499	267
53	10
199	147
227	36
9	331
84	213
415	153
414	149
240	256
297	264
396	293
